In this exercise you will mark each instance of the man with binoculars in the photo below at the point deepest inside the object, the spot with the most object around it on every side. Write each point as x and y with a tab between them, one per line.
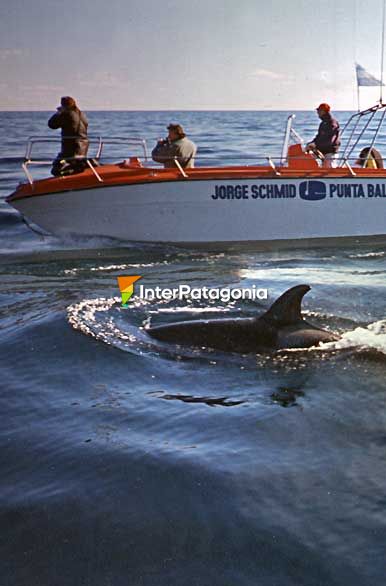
176	147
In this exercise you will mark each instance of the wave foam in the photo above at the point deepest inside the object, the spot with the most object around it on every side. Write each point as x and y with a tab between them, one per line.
374	337
315	275
368	255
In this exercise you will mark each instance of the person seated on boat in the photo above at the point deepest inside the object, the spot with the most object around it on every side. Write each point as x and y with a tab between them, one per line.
370	158
175	146
327	140
74	125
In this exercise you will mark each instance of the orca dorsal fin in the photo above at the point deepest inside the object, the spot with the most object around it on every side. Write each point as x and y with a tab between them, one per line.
287	310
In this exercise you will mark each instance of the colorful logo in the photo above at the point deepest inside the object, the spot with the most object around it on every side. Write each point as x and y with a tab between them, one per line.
126	287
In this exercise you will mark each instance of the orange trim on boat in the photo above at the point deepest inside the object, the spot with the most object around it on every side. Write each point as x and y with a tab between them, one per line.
299	167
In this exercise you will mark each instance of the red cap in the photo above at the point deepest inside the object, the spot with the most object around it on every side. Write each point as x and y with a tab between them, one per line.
324	106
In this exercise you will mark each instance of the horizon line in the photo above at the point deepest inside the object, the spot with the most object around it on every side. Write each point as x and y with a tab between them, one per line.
185	110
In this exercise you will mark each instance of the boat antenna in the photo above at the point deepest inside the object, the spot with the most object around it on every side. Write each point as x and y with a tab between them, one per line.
382	50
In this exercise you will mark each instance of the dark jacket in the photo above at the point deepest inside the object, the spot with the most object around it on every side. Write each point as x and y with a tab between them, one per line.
327	140
73	124
183	148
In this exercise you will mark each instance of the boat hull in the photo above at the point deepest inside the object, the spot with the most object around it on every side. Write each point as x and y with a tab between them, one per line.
200	211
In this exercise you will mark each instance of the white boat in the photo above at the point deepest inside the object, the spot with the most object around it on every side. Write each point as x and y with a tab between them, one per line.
292	201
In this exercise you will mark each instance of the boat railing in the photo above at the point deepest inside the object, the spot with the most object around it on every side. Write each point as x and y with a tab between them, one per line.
289	133
277	164
353	132
97	142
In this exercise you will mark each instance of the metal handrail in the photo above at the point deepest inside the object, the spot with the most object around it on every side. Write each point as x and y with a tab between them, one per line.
257	160
30	179
361	114
272	165
180	168
353	139
34	140
352	147
128	140
276	163
289	133
376	134
347	164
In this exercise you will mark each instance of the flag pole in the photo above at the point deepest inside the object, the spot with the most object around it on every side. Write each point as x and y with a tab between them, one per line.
358	84
382	50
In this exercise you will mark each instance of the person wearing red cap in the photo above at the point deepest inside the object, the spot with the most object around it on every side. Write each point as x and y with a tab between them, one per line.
327	140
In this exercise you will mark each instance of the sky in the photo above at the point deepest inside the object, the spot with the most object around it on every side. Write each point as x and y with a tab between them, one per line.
187	54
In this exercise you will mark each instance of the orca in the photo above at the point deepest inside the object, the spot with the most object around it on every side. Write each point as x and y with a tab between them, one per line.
281	327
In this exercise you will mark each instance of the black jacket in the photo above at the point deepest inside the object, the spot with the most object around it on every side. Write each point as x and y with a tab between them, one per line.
327	140
73	124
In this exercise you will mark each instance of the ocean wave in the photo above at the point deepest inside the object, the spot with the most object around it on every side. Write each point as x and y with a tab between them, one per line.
380	254
108	268
371	337
190	309
102	319
336	275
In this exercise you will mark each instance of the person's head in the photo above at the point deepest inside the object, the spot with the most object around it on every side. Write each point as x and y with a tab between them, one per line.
68	103
323	109
364	155
175	132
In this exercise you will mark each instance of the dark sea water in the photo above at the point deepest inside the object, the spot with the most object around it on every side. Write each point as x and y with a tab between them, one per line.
125	461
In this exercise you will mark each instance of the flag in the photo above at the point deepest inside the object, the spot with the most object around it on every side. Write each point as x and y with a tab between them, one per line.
365	78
